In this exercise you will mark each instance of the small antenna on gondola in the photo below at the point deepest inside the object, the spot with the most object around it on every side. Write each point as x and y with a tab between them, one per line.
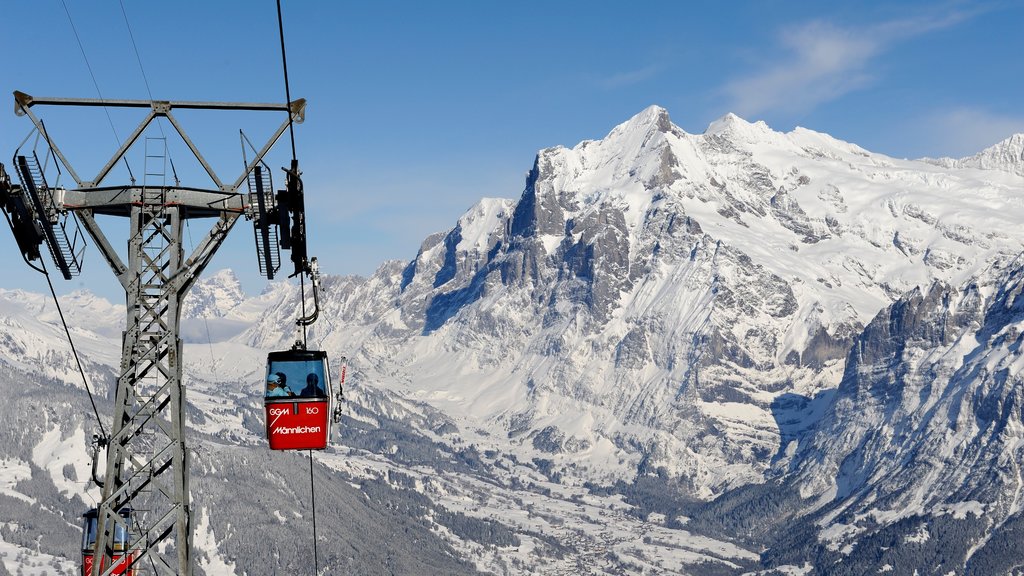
341	391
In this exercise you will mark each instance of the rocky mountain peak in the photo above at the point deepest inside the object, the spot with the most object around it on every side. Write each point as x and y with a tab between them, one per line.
214	295
1007	155
732	126
653	117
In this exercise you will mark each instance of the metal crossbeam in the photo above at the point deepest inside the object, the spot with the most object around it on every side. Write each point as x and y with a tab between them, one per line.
24	102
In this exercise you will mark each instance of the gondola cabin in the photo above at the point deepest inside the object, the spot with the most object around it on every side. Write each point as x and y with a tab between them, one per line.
297	400
121	543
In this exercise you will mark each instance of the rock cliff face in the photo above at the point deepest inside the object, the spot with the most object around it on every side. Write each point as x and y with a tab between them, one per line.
213	296
925	432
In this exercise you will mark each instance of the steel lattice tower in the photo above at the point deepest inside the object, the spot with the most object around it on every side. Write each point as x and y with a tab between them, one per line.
147	464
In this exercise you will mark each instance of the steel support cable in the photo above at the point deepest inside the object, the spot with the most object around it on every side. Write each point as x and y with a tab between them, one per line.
96	84
287	89
291	135
145	80
312	496
302	279
74	351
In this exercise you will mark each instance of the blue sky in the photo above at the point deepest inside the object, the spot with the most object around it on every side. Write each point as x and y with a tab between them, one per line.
418	109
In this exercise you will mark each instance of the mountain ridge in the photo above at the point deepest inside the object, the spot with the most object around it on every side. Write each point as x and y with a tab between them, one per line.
738	315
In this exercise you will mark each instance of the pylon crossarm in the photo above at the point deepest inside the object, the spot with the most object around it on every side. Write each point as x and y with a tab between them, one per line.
118	201
296	113
25	101
53	145
270	144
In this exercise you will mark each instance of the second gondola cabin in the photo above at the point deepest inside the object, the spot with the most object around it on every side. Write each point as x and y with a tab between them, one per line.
121	543
297	400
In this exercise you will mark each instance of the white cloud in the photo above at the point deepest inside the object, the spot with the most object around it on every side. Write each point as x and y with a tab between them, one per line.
823	62
965	131
628	78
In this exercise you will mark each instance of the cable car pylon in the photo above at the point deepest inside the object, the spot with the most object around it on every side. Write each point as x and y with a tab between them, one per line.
147	457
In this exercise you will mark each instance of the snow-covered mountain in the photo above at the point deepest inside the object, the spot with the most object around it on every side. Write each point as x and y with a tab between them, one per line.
1007	156
652	294
730	329
216	309
925	432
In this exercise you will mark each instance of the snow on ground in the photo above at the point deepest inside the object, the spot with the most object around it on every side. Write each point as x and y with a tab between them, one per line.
960	510
25	562
12	472
210	560
53	453
602	529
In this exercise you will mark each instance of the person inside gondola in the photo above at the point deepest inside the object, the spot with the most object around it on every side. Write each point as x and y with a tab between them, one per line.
277	385
312	386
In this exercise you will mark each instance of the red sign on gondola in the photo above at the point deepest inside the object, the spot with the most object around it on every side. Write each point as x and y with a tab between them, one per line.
298	424
119	569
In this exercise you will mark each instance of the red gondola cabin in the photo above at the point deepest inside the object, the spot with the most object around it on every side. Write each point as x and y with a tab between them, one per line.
121	542
297	400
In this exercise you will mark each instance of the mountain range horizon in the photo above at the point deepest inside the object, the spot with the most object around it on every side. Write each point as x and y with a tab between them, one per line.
758	352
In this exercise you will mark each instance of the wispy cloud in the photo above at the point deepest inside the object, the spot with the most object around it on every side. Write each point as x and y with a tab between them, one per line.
964	131
628	78
823	61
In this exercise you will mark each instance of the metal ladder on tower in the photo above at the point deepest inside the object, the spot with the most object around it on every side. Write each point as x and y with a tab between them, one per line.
154	176
151	322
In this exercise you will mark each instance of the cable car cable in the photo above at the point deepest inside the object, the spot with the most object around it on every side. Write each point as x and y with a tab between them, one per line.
302	279
74	351
97	85
145	80
312	496
291	135
287	89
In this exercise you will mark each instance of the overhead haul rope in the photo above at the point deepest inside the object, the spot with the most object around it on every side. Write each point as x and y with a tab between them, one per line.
145	80
103	433
302	280
287	89
67	331
96	84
